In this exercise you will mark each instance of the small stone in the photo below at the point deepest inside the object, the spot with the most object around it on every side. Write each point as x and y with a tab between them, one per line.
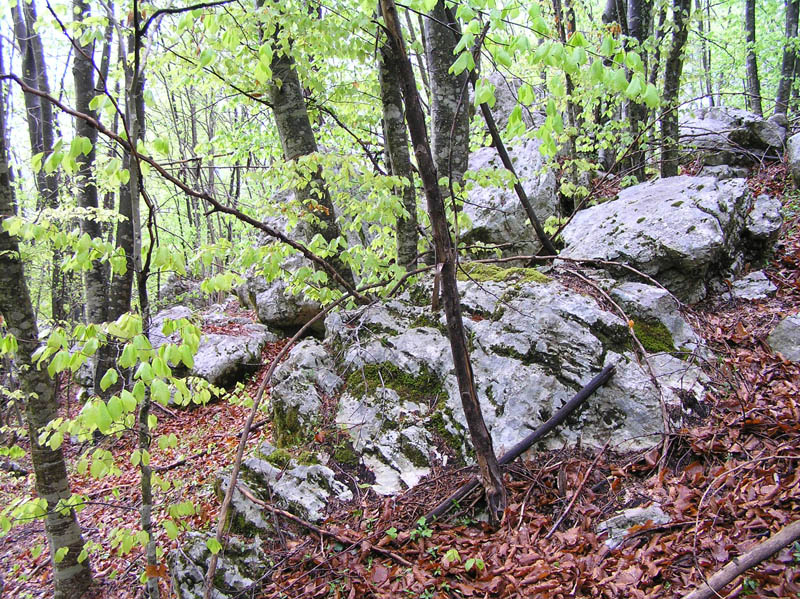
785	338
618	526
753	286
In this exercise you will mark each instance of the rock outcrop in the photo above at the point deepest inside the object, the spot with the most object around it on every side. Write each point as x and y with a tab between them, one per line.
730	136
534	344
685	232
497	215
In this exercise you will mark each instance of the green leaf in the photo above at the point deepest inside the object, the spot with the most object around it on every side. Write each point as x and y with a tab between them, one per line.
212	543
650	97
634	87
61	553
503	57
159	390
109	378
171	528
102	417
525	94
128	401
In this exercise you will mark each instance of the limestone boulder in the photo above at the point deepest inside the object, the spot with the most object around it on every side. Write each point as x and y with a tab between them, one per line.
495	210
685	232
793	157
731	136
785	338
534	343
299	385
239	568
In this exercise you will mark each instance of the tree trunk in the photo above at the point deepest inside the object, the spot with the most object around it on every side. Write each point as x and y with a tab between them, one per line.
638	18
672	83
41	130
789	62
96	278
751	63
449	97
297	139
396	140
71	577
491	477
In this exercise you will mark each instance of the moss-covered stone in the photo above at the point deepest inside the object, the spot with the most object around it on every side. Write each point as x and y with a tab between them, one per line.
414	454
427	320
280	458
654	336
483	273
345	455
437	426
288	430
418	388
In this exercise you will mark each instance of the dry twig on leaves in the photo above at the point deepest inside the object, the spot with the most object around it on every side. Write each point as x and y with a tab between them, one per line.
738	565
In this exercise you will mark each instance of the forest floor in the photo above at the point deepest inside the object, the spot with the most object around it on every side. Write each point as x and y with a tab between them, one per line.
728	481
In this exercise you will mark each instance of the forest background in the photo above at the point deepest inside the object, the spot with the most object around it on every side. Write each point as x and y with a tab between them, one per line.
142	141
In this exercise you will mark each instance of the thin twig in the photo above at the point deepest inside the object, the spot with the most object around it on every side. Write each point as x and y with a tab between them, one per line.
577	492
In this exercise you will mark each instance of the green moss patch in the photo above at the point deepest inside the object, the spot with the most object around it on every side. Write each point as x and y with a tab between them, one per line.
483	273
654	336
418	388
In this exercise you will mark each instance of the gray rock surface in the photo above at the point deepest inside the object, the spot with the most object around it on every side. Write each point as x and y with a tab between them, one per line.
303	490
222	358
731	136
505	93
533	346
785	338
618	526
239	568
682	231
765	219
753	286
273	302
496	213
298	385
724	171
793	157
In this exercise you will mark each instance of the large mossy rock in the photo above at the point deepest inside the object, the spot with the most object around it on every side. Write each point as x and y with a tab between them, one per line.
685	232
299	385
534	343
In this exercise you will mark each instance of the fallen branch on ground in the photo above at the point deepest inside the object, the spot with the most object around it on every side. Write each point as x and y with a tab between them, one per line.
738	565
521	447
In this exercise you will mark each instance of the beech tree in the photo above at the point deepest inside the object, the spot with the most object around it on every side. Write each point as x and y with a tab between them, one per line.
71	573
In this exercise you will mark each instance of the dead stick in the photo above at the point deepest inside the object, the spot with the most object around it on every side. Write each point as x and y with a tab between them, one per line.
321	532
576	493
526	443
738	565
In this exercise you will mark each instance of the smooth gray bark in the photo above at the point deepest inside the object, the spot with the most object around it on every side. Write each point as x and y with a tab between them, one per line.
638	18
96	278
789	61
297	139
673	68
396	141
41	131
449	98
70	577
751	61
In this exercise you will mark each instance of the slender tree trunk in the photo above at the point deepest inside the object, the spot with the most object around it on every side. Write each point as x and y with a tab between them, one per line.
789	61
71	577
751	62
96	278
703	24
638	18
41	130
491	476
449	98
297	140
396	140
672	83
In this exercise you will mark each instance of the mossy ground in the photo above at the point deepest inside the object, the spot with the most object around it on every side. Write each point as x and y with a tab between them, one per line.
483	273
